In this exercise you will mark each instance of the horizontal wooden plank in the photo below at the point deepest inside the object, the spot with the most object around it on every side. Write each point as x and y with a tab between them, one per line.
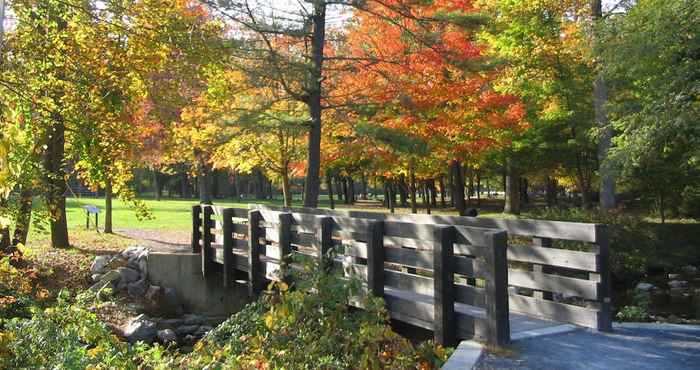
240	262
356	225
470	295
409	257
354	248
414	283
471	267
554	257
522	227
554	283
307	240
240	229
423	232
550	310
240	243
409	305
395	241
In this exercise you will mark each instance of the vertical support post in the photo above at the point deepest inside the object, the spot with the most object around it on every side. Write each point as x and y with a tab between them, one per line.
497	313
284	232
227	227
87	219
541	243
254	271
324	238
375	258
603	278
196	232
207	237
97	222
443	278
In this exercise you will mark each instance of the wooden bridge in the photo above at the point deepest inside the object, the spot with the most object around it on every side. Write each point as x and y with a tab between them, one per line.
461	277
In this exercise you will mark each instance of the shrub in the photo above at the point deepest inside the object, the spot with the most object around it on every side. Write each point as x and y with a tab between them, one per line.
65	336
311	327
19	290
638	310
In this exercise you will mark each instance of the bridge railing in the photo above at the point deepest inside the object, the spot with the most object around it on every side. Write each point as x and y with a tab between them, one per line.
449	279
557	270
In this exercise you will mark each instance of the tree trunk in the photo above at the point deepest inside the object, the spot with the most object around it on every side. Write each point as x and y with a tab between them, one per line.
24	216
458	188
4	231
392	196
524	197
54	167
551	191
286	191
512	204
314	103
364	186
157	188
351	188
185	186
478	187
344	182
433	195
426	197
329	183
414	207
203	183
470	187
442	192
108	207
662	207
600	98
339	188
403	194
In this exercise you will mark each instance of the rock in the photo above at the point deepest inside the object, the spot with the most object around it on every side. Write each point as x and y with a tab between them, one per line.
99	264
690	270
674	276
192	319
169	323
105	280
186	329
137	288
678	292
189	339
140	328
169	303
153	293
128	275
167	336
202	330
95	277
677	284
645	287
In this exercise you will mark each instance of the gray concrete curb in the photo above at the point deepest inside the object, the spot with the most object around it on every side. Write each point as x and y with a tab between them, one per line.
559	329
466	355
656	326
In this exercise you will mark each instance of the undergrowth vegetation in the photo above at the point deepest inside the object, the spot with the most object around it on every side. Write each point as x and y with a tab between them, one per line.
308	325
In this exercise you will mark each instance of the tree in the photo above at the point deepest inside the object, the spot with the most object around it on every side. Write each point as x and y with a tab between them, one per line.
654	100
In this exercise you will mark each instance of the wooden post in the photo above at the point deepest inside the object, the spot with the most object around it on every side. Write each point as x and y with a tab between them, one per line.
375	258
208	237
254	271
324	238
196	232
227	227
284	233
541	243
97	222
603	278
443	279
497	313
87	217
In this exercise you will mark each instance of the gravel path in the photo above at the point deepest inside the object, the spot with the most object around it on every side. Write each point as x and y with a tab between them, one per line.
636	346
159	240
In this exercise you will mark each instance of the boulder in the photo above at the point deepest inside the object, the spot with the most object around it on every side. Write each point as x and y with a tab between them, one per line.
105	280
128	275
690	270
99	264
186	329
170	304
192	319
644	287
140	328
674	276
167	336
95	277
202	330
137	288
677	284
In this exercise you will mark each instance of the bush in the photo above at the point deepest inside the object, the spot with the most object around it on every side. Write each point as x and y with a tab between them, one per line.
65	336
638	310
311	327
19	290
632	242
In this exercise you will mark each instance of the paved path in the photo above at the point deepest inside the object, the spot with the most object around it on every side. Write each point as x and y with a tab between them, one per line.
172	241
630	346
